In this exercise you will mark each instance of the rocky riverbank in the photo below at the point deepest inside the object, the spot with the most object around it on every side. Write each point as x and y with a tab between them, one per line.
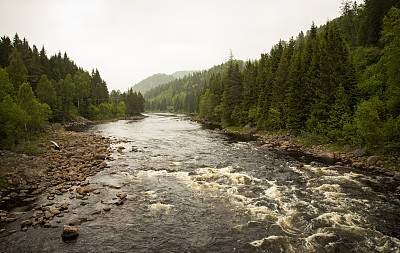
68	159
358	158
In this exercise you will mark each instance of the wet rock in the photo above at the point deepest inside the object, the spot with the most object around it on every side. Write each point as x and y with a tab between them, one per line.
359	152
121	195
119	202
26	223
107	208
55	211
30	199
372	160
358	164
268	146
48	214
9	220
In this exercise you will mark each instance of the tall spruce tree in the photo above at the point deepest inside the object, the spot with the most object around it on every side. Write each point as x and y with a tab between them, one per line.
232	95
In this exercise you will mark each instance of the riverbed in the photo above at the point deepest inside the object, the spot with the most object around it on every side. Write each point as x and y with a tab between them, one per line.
192	189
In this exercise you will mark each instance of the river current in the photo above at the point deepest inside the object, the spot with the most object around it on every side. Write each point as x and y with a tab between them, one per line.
191	189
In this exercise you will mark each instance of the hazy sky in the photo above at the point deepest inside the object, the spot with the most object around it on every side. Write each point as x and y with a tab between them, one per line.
129	40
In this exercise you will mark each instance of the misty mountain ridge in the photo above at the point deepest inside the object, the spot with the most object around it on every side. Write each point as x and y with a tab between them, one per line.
158	79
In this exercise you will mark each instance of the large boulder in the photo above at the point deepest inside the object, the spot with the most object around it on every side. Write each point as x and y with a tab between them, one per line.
359	152
372	160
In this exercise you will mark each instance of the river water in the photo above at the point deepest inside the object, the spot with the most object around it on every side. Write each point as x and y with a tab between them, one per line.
195	190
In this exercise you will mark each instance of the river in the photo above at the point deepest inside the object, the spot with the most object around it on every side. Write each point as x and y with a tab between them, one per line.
191	189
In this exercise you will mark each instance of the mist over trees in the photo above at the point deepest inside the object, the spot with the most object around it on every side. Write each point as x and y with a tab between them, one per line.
340	81
35	90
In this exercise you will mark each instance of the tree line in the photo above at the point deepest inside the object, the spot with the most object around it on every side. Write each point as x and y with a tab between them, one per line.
35	90
340	81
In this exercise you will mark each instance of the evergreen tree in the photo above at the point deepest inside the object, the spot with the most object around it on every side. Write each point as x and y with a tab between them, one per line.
232	96
35	68
5	50
6	87
17	71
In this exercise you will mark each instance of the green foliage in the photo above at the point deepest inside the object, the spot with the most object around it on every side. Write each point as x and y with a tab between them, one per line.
17	71
37	114
6	87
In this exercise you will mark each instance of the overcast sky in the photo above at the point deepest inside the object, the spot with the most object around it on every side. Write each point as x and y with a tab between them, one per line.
129	40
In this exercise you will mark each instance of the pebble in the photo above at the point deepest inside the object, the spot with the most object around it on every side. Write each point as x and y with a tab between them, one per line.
107	208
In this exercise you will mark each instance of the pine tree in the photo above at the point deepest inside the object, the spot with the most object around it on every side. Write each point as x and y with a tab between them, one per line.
6	87
5	50
17	71
35	68
232	96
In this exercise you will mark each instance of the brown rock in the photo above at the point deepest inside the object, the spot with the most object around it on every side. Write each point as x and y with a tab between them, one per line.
48	214
119	202
107	208
372	160
26	223
358	164
9	220
121	195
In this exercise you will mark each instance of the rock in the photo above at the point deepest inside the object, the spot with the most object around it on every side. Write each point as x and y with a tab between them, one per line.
48	214
247	127
121	195
119	202
9	220
347	148
359	152
358	164
55	211
253	130
26	223
327	155
47	224
12	231
372	160
268	146
69	233
107	208
396	176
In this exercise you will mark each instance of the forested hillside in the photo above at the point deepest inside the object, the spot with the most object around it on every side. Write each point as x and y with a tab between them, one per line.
340	81
183	94
152	82
35	89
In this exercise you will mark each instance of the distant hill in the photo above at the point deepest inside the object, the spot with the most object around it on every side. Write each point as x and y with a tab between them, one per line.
181	74
158	79
152	82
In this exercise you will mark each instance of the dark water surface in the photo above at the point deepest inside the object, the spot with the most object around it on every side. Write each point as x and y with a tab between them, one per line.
195	190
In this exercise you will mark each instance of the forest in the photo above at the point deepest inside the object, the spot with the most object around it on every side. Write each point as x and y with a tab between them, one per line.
36	90
339	81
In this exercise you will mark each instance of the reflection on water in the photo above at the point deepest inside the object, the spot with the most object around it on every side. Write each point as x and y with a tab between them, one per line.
201	191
